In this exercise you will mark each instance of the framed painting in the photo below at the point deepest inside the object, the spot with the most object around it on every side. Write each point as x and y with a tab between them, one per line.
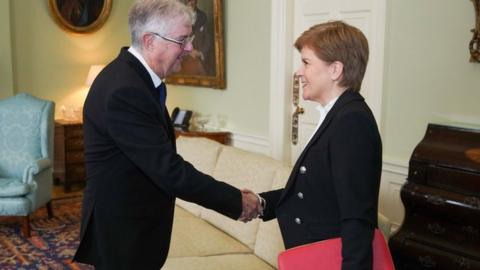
80	16
474	45
204	65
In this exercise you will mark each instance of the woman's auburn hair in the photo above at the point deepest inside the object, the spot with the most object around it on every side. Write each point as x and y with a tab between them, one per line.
338	41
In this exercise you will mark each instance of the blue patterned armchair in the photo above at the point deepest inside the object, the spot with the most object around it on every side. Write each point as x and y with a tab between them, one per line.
26	152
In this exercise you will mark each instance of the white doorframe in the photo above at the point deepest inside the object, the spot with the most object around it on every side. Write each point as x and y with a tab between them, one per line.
281	44
280	78
377	61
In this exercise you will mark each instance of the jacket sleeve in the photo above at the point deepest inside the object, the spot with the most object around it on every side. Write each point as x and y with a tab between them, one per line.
356	167
271	199
139	130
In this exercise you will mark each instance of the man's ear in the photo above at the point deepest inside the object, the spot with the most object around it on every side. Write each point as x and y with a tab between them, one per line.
336	70
147	41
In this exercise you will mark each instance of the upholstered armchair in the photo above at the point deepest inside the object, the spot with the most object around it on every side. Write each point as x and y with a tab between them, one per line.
26	152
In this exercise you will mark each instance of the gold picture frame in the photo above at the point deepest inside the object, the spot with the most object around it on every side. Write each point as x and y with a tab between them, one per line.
80	16
205	65
474	45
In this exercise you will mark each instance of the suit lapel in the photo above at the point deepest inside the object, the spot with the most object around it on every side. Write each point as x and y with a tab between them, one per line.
347	97
133	62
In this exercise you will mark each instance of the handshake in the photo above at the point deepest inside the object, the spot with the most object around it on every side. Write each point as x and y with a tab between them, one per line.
253	205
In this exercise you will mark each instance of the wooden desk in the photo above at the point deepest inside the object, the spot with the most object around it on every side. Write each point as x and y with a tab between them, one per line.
68	165
222	137
441	229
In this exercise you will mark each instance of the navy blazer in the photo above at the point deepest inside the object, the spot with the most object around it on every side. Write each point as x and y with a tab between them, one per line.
134	173
333	188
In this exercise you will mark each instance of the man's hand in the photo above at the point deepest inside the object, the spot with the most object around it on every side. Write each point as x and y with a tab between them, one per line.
251	206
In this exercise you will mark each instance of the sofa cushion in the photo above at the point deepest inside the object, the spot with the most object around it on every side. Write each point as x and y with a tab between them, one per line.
269	241
241	169
219	262
192	237
15	206
202	154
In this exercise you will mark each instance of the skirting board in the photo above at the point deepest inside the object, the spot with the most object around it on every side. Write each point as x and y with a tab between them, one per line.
251	143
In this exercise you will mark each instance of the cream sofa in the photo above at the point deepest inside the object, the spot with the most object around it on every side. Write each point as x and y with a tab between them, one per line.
203	239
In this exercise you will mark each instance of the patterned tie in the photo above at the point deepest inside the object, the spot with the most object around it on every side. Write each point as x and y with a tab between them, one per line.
162	89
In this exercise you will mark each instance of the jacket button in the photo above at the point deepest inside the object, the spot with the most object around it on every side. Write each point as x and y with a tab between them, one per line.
298	220
300	195
303	170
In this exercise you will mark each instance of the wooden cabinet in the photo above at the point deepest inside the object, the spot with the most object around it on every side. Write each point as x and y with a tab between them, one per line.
442	203
68	166
222	137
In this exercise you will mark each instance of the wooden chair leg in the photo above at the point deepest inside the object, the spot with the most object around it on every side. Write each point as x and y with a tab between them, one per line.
49	209
26	226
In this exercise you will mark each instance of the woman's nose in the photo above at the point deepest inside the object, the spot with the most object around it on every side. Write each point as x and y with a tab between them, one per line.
299	71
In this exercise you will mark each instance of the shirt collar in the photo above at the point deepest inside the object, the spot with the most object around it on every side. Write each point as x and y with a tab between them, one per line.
323	110
156	80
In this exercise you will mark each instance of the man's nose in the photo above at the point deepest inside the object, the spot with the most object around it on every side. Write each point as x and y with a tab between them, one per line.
188	47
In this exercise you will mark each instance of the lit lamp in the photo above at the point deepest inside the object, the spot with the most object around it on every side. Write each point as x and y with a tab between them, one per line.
92	73
73	113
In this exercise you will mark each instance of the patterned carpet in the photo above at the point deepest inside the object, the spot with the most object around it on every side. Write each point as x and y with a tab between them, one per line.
53	241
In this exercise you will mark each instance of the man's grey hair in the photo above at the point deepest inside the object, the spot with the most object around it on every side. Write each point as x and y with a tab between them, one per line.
156	16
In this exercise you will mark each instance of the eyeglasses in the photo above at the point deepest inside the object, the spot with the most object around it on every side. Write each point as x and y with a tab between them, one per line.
183	43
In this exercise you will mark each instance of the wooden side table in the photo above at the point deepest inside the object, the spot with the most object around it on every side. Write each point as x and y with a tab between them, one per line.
68	165
222	137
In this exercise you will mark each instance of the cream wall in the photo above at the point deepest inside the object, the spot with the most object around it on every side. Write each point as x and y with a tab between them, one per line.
245	101
53	64
428	76
6	73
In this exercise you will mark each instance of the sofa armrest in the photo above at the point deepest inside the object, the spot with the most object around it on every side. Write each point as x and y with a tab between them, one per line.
384	225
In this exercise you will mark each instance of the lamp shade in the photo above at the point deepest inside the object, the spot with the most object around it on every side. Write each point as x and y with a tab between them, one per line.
92	73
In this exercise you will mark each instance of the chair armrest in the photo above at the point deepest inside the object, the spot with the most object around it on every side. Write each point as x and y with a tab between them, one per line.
34	168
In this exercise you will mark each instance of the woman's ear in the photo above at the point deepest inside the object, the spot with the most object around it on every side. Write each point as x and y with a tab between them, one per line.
336	70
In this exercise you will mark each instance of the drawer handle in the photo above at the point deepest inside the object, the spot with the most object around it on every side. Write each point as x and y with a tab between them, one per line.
436	228
470	230
473	202
463	263
435	199
78	142
427	261
76	133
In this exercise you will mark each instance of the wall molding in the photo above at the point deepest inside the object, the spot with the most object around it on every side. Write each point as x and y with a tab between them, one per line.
394	175
251	143
397	167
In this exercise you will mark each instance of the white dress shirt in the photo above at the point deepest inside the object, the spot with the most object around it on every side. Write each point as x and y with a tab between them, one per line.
323	111
156	80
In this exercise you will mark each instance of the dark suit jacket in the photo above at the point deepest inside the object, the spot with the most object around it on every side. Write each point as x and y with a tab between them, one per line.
134	173
333	188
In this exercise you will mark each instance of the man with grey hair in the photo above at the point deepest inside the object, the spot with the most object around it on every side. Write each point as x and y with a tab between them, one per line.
133	170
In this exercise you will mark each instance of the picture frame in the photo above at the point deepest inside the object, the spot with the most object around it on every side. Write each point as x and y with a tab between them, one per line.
205	65
474	45
80	16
